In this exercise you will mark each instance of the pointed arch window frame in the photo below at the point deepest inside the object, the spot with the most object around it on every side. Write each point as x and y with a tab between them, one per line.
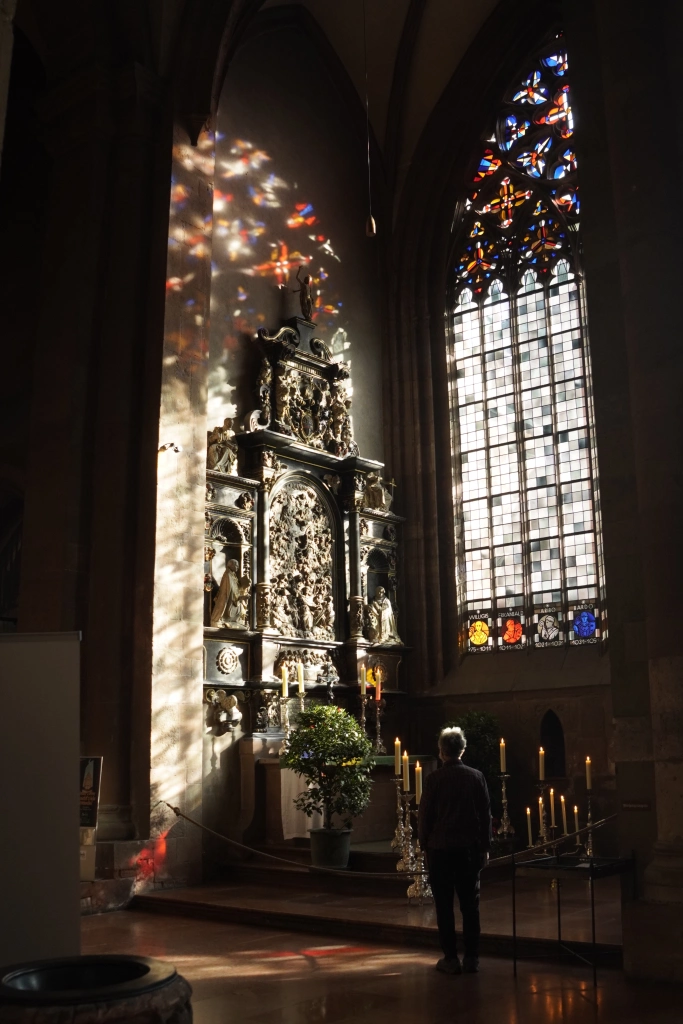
516	218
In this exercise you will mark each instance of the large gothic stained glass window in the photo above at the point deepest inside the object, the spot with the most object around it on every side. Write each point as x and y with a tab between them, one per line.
526	496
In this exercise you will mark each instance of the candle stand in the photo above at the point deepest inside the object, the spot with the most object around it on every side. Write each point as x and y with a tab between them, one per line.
302	702
407	861
380	705
543	820
397	841
285	723
506	830
363	706
419	889
588	845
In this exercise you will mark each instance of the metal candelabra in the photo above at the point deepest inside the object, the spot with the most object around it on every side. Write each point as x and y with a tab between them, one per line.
397	841
363	706
379	706
543	820
588	844
506	830
285	723
412	859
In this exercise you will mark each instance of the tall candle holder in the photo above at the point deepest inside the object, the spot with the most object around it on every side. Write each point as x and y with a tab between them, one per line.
285	723
363	706
506	830
588	844
542	786
419	889
379	706
407	861
302	701
397	841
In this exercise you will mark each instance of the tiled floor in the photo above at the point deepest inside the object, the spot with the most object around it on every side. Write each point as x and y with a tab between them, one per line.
258	976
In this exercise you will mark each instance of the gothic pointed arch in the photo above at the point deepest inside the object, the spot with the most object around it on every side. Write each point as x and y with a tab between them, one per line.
527	511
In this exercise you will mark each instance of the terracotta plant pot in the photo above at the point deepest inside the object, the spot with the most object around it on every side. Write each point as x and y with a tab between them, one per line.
330	847
89	989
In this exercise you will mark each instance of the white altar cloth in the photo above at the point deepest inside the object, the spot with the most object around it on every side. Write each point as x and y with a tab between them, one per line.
295	824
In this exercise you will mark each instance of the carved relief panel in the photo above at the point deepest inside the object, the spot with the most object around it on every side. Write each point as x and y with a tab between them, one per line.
301	563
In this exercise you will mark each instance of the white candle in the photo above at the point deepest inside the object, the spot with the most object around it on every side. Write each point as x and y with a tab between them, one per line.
552	808
576	818
363	683
418	782
502	757
406	772
564	815
378	688
528	825
588	773
397	757
285	684
541	764
300	676
540	812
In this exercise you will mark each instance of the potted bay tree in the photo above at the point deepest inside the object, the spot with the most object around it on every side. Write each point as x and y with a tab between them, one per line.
331	752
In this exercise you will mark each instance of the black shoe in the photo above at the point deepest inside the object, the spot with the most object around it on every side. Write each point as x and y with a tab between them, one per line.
449	965
470	964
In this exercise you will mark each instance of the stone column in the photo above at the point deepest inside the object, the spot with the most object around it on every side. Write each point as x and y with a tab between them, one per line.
633	276
177	713
7	9
263	558
355	595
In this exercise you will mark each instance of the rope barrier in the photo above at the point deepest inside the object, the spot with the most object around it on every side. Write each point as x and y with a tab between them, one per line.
506	859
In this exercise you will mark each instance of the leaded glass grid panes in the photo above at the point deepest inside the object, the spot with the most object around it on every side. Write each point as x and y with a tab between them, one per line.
526	496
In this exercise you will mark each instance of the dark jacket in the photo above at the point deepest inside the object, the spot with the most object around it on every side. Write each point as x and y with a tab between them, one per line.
455	809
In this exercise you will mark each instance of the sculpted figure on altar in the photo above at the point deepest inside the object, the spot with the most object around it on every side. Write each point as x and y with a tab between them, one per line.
232	600
381	621
221	449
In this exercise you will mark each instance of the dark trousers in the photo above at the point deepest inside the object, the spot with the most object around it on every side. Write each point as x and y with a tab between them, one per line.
451	872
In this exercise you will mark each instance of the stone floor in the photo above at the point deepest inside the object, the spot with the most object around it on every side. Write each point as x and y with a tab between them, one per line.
259	976
536	907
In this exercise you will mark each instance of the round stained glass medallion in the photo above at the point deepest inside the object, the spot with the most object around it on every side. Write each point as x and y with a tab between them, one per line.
584	624
548	627
478	632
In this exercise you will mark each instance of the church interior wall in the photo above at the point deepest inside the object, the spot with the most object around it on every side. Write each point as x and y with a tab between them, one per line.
106	375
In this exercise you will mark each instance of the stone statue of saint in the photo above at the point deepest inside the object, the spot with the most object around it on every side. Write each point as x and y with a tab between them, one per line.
305	295
376	494
381	621
221	450
231	601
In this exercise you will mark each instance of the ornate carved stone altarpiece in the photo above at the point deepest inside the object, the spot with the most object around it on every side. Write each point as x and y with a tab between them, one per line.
302	549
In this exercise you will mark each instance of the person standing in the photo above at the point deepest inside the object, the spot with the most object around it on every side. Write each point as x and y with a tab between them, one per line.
454	829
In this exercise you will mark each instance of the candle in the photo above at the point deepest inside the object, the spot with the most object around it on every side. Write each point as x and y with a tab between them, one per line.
363	683
541	764
418	782
502	757
528	825
397	757
300	676
406	772
378	687
576	818
552	808
564	815
285	684
588	773
540	812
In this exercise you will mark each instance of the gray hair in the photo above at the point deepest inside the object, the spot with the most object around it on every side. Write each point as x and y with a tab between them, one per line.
452	742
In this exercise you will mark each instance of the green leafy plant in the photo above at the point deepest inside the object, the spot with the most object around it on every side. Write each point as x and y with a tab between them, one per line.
482	732
331	751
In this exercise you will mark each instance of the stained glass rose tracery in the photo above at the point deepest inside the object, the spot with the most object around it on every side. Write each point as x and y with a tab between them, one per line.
527	507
